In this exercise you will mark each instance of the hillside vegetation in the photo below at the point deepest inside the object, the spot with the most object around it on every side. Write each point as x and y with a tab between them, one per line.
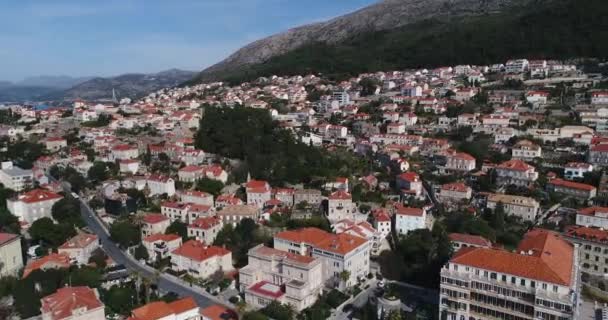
564	29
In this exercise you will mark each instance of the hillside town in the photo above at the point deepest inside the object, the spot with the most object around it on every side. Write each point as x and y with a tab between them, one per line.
462	192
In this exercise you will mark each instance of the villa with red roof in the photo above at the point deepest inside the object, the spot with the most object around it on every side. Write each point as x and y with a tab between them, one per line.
593	217
73	303
218	312
462	240
275	275
154	223
382	221
10	254
340	206
410	184
196	197
537	281
123	152
459	161
339	252
201	260
205	229
258	192
409	219
80	248
454	192
33	205
516	172
183	309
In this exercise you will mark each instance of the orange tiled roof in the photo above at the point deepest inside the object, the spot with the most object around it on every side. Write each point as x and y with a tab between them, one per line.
62	303
571	184
79	241
340	195
196	250
340	243
55	259
160	309
470	239
38	195
542	255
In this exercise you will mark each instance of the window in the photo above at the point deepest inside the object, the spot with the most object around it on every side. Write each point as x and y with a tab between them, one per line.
513	279
522	282
554	288
544	286
504	278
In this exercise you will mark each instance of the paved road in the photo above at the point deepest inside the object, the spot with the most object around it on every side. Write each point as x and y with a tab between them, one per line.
165	283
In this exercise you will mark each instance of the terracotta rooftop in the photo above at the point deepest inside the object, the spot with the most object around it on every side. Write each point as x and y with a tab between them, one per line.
53	260
38	195
205	223
571	184
7	237
159	310
218	312
514	164
542	255
161	237
470	239
79	241
153	218
340	195
61	304
196	250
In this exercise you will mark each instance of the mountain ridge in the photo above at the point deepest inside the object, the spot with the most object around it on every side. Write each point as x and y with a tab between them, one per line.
383	15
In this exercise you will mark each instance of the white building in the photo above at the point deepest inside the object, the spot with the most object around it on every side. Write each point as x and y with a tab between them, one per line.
275	275
340	206
526	150
159	245
516	172
525	208
33	205
10	254
205	229
576	170
339	252
124	152
593	217
154	223
201	260
182	309
15	178
409	219
258	192
80	248
537	281
158	184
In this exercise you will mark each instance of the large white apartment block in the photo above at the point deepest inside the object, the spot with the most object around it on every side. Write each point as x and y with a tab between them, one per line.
338	252
299	279
15	178
10	254
340	206
80	248
158	185
523	207
200	260
538	281
409	219
33	205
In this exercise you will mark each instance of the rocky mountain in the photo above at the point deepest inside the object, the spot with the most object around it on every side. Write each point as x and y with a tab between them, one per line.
127	85
384	15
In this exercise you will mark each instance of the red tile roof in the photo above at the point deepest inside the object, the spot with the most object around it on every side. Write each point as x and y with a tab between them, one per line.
457	186
515	164
196	250
588	233
340	195
340	243
205	223
409	176
7	237
267	289
310	236
407	211
470	239
543	255
160	309
218	312
153	218
38	195
271	252
61	304
571	184
79	241
53	259
591	211
161	237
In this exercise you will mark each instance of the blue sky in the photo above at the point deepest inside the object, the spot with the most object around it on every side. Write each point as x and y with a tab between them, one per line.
111	37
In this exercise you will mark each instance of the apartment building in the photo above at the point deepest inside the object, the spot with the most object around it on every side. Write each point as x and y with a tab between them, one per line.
576	170
516	172
526	150
275	275
159	184
593	217
593	249
80	248
338	252
196	197
310	196
33	205
525	208
454	192
577	190
10	254
235	213
538	281
200	260
15	178
258	192
410	184
459	161
73	303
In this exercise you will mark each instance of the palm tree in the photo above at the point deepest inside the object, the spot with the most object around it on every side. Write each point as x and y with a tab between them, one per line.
344	276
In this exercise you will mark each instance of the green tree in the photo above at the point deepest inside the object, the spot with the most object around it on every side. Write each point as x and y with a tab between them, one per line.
98	257
213	187
98	172
54	235
67	210
278	311
141	253
179	228
125	233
